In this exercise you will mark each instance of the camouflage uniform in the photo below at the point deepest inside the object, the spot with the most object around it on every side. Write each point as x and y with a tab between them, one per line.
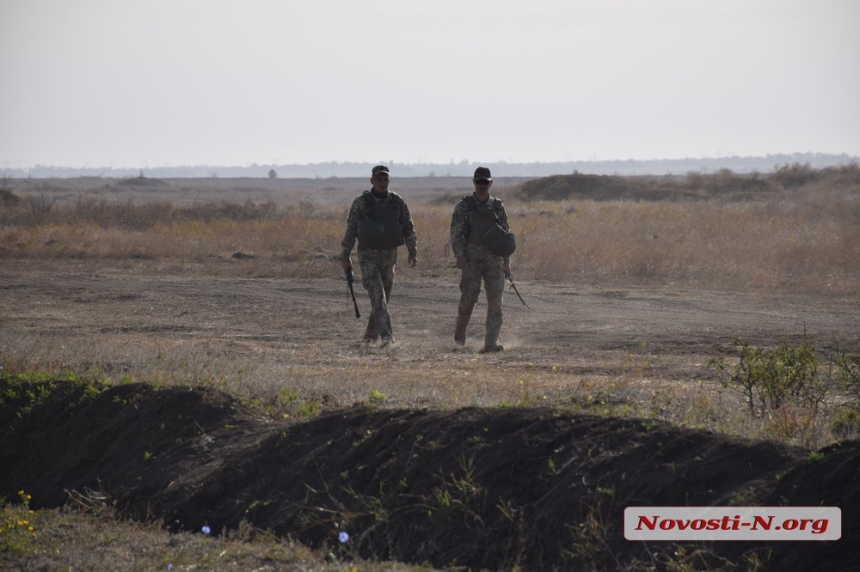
377	264
481	264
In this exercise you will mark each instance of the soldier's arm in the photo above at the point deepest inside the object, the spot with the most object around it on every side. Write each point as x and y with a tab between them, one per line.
503	221
458	227
351	233
409	235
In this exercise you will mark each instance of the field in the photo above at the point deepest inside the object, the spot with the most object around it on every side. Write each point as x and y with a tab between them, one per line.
183	353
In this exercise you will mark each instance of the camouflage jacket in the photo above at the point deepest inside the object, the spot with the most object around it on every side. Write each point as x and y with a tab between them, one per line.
461	221
360	209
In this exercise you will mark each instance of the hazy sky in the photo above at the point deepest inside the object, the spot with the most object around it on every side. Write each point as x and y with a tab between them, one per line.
145	83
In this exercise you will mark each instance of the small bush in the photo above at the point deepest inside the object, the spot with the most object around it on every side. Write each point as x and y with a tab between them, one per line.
8	198
794	175
846	424
849	374
772	378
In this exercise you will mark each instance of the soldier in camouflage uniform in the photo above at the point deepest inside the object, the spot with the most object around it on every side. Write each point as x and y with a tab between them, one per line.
380	220
472	218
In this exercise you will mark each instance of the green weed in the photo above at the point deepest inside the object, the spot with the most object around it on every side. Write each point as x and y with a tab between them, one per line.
17	529
770	378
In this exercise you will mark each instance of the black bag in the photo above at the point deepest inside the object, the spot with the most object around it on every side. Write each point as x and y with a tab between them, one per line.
499	241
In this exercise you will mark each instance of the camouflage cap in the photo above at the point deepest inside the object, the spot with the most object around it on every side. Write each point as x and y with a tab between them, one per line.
379	169
483	173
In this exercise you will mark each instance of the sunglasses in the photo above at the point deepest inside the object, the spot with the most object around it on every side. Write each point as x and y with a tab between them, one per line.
482	182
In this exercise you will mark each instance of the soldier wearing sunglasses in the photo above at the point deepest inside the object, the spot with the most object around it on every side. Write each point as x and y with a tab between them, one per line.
482	243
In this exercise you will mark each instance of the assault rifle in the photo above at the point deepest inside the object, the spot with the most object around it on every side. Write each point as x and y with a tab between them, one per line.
514	286
350	278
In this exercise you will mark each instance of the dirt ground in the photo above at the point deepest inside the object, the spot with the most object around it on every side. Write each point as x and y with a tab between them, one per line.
418	479
578	327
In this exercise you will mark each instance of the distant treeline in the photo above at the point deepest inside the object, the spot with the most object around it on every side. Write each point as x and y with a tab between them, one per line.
736	164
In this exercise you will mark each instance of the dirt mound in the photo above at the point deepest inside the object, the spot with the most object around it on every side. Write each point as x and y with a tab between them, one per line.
580	186
8	198
596	187
142	182
496	488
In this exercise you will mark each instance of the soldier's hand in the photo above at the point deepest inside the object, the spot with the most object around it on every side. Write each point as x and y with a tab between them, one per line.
346	265
507	269
413	260
461	262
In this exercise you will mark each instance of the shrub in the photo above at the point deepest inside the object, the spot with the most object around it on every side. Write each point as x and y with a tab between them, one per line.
772	378
849	374
846	423
794	175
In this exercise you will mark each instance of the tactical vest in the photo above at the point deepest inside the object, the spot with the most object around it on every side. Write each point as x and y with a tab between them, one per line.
481	221
382	228
483	228
485	220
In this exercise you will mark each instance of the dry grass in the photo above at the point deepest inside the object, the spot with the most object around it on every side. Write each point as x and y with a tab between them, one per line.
798	246
87	534
303	379
803	238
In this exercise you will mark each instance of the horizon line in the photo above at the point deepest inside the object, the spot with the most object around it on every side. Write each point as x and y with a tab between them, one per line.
464	162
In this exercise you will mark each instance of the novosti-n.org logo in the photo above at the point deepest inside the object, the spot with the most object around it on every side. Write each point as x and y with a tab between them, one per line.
733	523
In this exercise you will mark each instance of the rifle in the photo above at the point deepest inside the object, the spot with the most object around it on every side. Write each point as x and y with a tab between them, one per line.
350	278
514	286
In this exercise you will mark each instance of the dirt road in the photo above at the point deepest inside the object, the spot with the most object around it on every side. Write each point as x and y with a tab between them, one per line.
582	327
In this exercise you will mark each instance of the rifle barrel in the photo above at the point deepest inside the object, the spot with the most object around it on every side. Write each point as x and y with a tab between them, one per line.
350	278
514	286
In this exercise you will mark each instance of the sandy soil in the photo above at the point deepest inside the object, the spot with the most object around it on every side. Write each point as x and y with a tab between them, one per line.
580	327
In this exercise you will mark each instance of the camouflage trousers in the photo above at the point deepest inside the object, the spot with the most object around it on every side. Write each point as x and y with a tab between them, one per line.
377	277
481	266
